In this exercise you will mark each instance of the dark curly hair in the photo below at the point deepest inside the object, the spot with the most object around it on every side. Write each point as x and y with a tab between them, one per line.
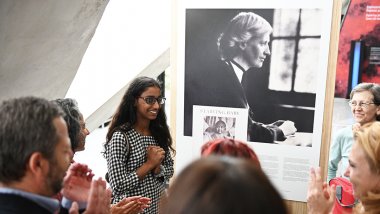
72	118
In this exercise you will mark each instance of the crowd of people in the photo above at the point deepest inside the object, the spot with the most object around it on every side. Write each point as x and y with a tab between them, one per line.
38	139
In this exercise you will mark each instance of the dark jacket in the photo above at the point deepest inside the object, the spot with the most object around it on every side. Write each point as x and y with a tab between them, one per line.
216	84
15	204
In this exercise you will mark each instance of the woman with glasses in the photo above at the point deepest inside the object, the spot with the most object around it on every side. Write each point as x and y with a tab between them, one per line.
364	103
139	145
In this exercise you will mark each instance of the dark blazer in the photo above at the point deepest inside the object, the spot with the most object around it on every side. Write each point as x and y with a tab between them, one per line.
216	84
15	204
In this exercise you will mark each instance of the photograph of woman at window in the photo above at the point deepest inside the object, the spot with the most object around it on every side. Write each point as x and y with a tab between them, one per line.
243	44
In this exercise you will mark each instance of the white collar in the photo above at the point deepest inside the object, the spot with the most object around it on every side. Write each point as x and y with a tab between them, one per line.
238	71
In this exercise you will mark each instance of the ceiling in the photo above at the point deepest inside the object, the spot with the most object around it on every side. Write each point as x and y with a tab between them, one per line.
42	44
71	48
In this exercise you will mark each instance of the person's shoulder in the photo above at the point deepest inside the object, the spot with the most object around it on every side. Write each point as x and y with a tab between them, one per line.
117	134
11	203
344	134
347	131
208	67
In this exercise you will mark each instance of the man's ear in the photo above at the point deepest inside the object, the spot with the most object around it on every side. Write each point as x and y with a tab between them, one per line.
242	45
37	164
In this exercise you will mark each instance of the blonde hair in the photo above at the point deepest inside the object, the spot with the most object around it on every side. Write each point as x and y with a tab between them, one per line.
368	138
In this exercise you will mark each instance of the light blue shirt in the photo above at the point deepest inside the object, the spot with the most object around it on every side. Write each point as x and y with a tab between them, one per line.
48	203
66	203
339	151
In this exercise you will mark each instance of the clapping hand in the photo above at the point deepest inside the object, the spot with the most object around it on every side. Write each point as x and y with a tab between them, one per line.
320	196
356	127
98	200
131	205
77	182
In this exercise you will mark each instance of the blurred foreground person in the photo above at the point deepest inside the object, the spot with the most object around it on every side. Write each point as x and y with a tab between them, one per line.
363	172
229	147
222	185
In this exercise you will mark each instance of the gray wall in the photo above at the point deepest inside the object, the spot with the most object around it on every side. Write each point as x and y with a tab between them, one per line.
42	43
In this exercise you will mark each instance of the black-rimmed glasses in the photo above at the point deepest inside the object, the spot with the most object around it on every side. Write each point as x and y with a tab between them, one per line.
353	104
153	100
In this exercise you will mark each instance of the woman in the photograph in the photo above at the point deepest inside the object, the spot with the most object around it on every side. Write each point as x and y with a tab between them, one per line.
244	44
139	145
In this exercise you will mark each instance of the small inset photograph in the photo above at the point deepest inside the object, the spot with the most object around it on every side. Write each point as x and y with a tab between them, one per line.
218	127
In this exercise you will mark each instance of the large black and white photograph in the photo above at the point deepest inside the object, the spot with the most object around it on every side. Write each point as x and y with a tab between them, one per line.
263	60
269	62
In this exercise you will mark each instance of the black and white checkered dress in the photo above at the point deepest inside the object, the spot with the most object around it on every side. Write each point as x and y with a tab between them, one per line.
122	174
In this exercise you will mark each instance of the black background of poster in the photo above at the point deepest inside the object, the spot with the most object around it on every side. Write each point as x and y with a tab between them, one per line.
203	27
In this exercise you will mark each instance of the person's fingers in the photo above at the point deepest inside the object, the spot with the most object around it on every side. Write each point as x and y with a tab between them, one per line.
144	206
122	202
133	198
332	194
145	201
99	198
130	206
324	185
80	170
318	177
102	194
93	196
311	179
331	200
107	197
74	208
109	189
356	127
326	190
91	175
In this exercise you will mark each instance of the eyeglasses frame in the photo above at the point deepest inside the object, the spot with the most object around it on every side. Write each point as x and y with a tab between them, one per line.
361	104
156	100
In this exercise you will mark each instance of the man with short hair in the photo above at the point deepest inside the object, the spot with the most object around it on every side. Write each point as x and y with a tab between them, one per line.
35	154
